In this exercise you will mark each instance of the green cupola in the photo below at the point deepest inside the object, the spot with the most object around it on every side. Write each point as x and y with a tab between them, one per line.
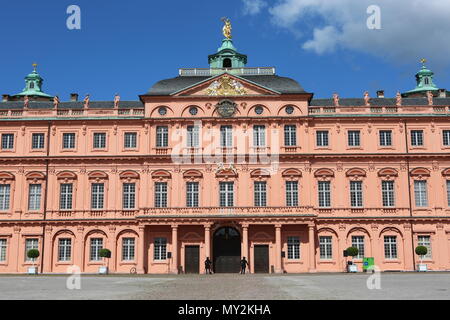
424	79
33	86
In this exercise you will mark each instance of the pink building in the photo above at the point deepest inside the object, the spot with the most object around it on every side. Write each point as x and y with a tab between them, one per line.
225	162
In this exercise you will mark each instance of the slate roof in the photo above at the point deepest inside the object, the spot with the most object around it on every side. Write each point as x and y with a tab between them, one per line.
380	102
71	105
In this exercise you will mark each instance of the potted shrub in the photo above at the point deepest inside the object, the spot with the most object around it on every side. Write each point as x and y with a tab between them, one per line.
421	251
106	254
33	254
352	252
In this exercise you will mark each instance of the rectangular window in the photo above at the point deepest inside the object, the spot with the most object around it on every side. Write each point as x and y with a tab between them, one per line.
192	192
160	194
99	140
356	194
325	246
259	136
130	140
129	195
322	138
292	193
420	193
293	248
64	249
385	138
448	193
5	190
387	190
34	197
162	136
260	193
68	140
65	199
96	246
417	137
3	244
324	194
38	141
192	136
97	195
31	244
7	141
354	138
358	242
128	249
226	136
290	135
160	250
446	137
390	247
226	194
426	242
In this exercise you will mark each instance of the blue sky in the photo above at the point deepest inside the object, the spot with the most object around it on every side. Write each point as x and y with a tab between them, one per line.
126	46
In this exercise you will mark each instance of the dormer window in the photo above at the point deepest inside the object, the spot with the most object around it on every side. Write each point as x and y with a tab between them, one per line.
427	81
31	85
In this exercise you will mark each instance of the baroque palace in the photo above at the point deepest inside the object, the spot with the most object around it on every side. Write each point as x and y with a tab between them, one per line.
225	162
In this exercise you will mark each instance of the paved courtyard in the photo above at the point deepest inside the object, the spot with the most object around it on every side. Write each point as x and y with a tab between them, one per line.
230	287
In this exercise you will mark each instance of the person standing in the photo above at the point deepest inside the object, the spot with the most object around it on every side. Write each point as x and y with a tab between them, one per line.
208	266
244	265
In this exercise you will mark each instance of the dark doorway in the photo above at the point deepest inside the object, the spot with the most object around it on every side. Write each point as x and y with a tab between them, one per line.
227	63
192	259
226	250
261	257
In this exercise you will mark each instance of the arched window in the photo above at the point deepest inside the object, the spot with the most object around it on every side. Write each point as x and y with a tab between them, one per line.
31	85
427	81
227	63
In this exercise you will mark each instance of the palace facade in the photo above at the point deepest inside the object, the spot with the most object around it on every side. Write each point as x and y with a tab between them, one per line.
225	162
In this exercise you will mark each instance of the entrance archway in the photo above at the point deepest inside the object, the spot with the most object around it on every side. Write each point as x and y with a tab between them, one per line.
226	250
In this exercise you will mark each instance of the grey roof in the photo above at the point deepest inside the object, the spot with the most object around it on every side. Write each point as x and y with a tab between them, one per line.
281	84
70	105
380	102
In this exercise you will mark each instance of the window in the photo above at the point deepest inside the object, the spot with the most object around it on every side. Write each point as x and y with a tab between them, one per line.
37	141
130	140
420	193
446	137
390	247
97	195
226	190
192	136
129	195
5	190
226	136
426	242
292	193
324	194
260	193
128	249
356	194
7	141
160	194
99	140
387	193
448	192
34	197
96	246
417	137
64	249
192	194
65	199
325	246
3	245
68	140
290	135
358	242
162	137
385	138
160	250
322	138
293	248
30	244
259	136
354	139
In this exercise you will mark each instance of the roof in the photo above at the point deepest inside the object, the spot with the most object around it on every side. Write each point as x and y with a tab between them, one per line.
380	102
71	105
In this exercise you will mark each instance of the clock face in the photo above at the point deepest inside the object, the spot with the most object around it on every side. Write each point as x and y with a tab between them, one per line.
226	108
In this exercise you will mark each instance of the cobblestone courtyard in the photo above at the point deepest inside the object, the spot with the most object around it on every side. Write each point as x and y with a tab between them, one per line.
230	287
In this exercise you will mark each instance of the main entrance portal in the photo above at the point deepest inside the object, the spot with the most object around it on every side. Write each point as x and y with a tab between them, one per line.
226	250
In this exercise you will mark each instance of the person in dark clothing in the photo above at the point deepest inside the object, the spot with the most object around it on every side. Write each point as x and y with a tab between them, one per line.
244	265
208	265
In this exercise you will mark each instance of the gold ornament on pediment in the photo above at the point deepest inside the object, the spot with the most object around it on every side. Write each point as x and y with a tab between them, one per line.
226	86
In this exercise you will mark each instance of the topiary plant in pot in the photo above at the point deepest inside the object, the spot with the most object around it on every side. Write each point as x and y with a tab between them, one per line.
352	252
421	251
33	254
104	253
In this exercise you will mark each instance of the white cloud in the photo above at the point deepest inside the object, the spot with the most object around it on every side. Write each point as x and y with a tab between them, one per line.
253	7
410	29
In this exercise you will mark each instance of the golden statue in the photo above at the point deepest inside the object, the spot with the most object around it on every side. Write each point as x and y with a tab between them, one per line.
227	28
423	61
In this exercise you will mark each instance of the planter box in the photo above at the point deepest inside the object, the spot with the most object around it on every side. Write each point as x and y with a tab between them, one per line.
422	267
103	270
352	268
32	270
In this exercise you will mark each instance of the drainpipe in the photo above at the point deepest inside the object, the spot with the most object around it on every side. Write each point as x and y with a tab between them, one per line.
409	194
47	162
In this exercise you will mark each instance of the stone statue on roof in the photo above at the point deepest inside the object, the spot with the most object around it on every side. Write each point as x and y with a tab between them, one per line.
398	99
336	99
26	102
86	101
227	28
116	100
366	98
430	98
55	102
